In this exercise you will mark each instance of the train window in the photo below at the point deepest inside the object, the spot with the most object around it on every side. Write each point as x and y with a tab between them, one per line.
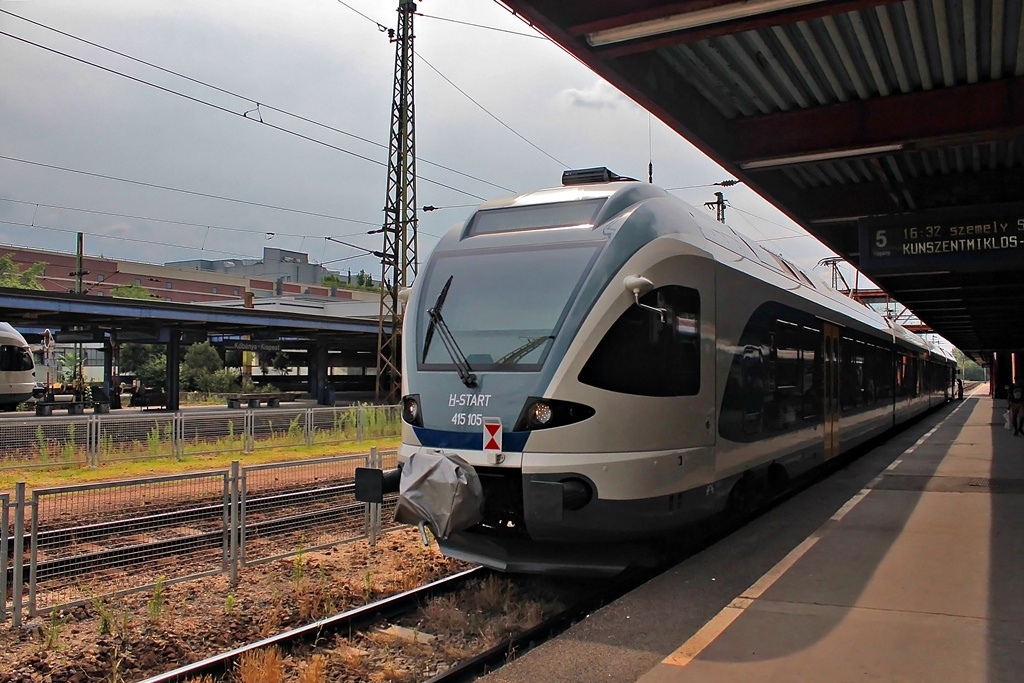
15	359
644	356
866	374
775	381
787	404
907	375
577	214
503	307
810	369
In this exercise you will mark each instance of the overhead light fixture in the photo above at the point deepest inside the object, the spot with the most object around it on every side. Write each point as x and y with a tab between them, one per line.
775	162
695	19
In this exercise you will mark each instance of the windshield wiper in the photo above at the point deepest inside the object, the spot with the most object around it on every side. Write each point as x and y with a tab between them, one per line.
517	354
451	346
437	307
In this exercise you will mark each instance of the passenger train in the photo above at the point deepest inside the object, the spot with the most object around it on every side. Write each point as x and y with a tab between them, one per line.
592	366
17	369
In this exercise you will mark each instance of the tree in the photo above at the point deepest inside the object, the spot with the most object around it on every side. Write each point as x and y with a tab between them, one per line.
131	357
201	360
220	382
968	368
153	373
10	276
131	291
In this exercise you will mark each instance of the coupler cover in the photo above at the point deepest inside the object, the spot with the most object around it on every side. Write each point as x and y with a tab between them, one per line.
442	491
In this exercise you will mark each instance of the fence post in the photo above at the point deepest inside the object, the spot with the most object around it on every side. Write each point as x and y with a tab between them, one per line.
18	580
372	509
310	427
234	527
178	435
33	555
250	431
92	430
243	493
5	506
361	423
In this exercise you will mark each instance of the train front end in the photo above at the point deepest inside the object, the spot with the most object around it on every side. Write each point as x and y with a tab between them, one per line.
17	369
506	457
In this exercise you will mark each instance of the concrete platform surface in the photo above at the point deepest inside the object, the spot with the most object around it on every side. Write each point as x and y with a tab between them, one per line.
907	565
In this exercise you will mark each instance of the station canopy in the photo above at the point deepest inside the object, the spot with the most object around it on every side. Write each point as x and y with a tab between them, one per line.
891	131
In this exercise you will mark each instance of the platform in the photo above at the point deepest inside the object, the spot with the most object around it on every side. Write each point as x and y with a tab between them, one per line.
906	565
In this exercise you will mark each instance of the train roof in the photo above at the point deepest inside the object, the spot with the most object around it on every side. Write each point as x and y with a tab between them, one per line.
613	194
7	329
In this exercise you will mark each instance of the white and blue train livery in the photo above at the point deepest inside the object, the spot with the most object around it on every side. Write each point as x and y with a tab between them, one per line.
17	369
589	367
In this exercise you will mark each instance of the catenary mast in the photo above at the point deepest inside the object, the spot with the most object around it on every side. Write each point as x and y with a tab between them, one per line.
399	256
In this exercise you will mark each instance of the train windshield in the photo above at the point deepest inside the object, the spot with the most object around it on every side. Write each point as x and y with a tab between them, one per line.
503	308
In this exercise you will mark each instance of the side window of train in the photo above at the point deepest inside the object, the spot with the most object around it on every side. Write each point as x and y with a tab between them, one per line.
644	356
14	358
776	376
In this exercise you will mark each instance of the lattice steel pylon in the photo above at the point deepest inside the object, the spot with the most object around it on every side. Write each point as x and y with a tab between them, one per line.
399	257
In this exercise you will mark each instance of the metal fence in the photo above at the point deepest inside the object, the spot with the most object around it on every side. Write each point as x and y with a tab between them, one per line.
94	439
5	520
72	545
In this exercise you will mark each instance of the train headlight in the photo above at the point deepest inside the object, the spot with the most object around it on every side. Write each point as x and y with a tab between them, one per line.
545	413
411	410
540	414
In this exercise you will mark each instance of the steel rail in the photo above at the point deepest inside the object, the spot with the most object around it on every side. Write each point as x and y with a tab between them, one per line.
355	619
135	555
94	533
502	653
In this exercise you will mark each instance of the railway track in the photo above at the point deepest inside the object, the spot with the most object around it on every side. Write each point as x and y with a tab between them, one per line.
352	620
207	525
404	604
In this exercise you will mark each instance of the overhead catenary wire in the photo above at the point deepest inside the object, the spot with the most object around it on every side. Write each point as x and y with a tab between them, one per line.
157	220
182	191
466	23
486	111
206	234
464	93
799	233
227	110
379	25
255	101
122	238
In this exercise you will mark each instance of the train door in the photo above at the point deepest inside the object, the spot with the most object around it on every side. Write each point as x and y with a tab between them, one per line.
831	389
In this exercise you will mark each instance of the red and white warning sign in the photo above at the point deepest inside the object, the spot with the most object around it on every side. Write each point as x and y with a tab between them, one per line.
492	435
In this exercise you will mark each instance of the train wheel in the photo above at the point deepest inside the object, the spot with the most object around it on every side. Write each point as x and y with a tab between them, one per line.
778	480
8	407
742	498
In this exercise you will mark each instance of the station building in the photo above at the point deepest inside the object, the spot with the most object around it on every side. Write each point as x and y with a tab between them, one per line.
278	273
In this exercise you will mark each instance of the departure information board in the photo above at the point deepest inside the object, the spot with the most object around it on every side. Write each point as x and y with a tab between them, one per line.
965	238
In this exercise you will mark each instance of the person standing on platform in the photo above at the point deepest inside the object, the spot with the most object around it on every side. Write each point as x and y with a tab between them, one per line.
1016	401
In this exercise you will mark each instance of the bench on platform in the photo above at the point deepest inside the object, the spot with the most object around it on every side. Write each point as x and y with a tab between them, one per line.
235	401
149	398
46	408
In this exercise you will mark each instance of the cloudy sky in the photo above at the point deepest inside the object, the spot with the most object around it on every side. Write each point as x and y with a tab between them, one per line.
499	109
